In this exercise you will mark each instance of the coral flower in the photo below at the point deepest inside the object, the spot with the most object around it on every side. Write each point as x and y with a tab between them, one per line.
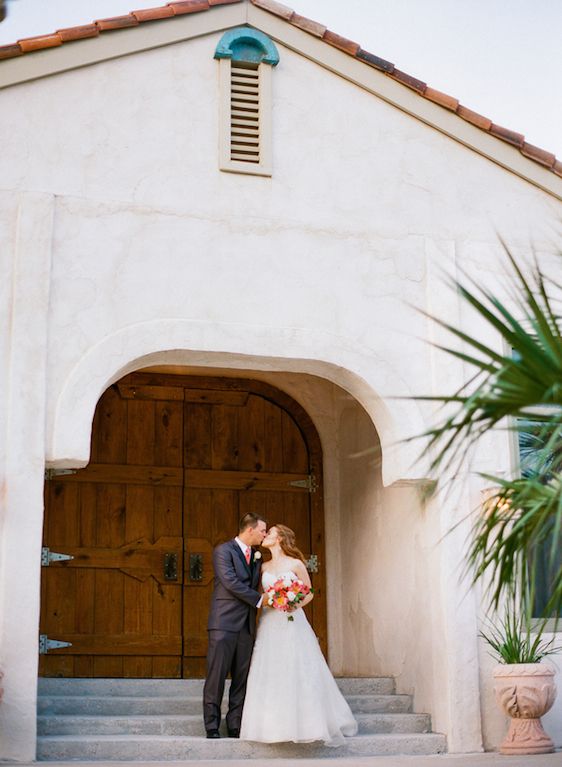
286	594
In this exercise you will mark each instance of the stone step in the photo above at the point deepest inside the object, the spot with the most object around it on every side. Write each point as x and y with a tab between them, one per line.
162	748
380	704
184	688
193	725
94	705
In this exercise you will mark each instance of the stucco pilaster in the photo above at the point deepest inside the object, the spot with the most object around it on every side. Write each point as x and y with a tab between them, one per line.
457	709
24	395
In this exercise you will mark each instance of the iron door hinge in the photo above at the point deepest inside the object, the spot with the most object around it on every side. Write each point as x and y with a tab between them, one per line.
52	473
48	556
309	483
46	644
312	563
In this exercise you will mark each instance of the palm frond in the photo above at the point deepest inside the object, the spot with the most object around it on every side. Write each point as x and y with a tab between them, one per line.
508	384
506	539
515	640
524	519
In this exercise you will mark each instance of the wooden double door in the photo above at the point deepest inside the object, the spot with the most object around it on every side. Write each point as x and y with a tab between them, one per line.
175	462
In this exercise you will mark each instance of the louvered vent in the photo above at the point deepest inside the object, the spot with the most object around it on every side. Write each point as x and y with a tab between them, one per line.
245	113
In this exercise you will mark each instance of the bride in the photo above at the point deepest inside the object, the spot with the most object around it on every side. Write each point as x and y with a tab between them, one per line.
291	694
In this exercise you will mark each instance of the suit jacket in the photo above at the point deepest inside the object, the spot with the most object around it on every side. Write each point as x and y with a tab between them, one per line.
235	594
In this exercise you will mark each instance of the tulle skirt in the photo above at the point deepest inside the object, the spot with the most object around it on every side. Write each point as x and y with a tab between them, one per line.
291	693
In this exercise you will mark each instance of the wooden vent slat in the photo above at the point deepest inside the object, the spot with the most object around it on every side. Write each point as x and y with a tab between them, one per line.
244	85
244	146
245	71
244	98
243	158
244	106
242	130
245	95
244	115
253	97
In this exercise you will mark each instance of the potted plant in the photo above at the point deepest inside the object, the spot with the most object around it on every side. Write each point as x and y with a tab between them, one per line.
524	686
517	539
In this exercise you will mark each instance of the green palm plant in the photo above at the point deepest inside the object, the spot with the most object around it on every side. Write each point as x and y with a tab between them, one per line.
523	520
514	639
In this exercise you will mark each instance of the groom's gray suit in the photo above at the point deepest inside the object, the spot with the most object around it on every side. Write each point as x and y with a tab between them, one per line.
231	628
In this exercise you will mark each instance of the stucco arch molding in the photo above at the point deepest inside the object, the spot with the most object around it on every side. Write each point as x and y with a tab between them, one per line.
366	377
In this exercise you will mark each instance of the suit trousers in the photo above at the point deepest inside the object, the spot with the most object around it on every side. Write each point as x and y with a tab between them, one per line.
229	651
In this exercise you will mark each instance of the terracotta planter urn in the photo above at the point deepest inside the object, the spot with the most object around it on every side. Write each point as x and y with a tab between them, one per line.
525	691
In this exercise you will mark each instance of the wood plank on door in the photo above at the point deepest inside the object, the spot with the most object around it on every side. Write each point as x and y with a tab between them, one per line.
123	515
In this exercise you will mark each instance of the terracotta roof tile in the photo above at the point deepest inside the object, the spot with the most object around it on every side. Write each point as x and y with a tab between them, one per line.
39	42
277	8
375	61
517	139
474	118
319	30
442	99
78	33
189	6
411	82
153	14
341	42
116	22
540	155
180	7
9	51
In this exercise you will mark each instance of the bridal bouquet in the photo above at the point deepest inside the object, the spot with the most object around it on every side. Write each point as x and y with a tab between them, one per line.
285	594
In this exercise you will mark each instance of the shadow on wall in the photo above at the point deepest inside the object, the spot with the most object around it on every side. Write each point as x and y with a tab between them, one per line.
360	496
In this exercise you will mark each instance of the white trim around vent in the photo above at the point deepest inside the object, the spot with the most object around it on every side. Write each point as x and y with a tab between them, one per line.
245	118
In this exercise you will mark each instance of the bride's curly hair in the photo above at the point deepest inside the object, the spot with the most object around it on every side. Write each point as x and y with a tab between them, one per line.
287	542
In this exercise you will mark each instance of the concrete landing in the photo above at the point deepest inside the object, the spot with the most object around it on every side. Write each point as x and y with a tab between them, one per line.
442	760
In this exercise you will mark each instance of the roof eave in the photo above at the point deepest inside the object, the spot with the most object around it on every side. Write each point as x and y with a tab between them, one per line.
120	42
437	113
406	99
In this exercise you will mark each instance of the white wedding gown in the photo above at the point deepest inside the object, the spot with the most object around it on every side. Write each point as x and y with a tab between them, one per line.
291	693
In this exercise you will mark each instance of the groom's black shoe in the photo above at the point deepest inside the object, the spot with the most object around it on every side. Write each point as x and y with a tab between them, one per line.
234	733
213	734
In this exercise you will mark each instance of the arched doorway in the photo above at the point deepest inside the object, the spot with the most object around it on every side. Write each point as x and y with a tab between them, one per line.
175	461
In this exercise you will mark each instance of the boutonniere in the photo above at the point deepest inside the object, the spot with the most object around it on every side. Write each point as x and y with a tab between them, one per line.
257	555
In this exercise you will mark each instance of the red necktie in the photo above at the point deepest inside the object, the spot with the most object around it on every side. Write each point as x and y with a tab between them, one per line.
247	552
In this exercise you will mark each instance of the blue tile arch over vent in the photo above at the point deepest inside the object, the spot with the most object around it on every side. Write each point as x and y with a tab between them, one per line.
249	45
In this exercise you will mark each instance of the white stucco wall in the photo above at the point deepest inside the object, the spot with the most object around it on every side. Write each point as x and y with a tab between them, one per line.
156	256
138	193
389	542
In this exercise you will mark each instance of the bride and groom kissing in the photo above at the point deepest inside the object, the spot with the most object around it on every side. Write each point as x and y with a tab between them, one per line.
281	687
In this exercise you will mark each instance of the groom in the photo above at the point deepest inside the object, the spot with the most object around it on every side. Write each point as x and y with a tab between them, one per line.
232	624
